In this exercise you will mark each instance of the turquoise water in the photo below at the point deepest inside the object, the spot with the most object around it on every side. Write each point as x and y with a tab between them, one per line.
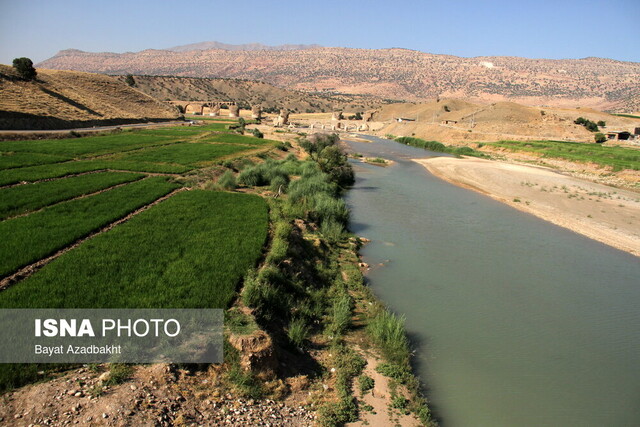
515	321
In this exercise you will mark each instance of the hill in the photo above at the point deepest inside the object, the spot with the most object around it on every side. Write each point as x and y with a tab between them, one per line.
69	99
454	120
250	46
248	93
389	73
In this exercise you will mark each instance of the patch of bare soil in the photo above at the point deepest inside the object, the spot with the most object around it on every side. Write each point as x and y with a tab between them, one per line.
155	395
600	212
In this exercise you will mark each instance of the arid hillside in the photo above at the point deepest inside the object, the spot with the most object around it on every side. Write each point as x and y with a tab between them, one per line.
390	73
454	120
247	93
69	99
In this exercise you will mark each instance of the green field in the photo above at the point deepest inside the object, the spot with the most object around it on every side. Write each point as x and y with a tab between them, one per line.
188	251
10	160
618	158
25	198
189	154
29	238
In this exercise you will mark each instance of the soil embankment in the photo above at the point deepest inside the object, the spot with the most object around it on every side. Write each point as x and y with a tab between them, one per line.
600	212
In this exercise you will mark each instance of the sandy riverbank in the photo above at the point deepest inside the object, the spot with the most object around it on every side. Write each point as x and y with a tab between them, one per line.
607	214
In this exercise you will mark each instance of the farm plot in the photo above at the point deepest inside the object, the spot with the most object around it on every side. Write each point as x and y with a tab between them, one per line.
618	158
87	146
189	154
9	160
240	139
30	197
189	251
30	238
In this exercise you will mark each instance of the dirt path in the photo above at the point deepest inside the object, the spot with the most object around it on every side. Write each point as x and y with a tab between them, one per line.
27	271
607	214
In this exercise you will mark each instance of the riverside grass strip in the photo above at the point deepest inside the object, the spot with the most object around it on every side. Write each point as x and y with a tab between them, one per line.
189	251
58	170
618	158
86	146
10	160
27	198
30	238
188	154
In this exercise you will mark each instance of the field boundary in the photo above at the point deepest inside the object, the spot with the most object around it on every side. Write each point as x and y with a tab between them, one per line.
82	196
27	271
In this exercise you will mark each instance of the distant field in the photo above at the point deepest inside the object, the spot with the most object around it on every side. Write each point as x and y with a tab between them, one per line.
239	139
189	251
627	115
190	154
618	158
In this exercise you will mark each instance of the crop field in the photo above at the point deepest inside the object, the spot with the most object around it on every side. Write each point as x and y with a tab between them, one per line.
27	239
618	158
189	251
10	160
189	154
26	198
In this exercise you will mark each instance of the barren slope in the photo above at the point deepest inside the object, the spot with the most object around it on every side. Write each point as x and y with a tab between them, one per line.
247	93
390	73
67	99
453	120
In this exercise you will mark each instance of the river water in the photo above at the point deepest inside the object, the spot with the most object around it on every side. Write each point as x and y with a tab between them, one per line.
515	321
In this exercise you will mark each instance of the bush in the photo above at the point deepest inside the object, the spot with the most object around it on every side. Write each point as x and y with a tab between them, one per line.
252	177
279	184
332	230
130	80
341	315
298	332
227	181
600	137
388	331
256	132
365	383
24	67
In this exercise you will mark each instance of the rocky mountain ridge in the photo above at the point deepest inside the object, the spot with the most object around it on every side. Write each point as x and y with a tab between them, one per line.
390	73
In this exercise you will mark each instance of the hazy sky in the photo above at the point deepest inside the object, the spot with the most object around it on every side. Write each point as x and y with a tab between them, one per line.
535	29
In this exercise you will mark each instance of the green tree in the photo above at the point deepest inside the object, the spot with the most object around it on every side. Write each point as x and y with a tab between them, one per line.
130	80
24	67
602	123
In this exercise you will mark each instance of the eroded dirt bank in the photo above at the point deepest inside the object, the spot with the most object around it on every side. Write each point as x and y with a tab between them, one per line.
607	214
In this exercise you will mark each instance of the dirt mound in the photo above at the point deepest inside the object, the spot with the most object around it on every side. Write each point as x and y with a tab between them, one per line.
67	99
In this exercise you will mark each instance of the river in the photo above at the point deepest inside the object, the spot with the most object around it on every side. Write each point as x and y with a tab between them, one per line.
515	321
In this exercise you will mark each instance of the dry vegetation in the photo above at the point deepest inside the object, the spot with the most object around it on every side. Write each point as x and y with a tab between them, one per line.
64	99
390	73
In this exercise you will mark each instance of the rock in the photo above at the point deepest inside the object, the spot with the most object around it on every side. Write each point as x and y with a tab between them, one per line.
105	415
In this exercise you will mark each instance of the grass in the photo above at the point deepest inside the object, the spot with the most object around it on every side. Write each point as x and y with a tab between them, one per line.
189	251
240	139
631	116
30	238
439	147
190	154
618	158
9	160
30	197
87	146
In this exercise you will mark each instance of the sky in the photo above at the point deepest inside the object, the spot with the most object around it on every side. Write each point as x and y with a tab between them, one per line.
557	29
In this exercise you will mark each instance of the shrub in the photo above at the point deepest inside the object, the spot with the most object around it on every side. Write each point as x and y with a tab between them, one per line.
279	184
227	181
24	67
388	331
600	137
341	314
298	332
130	80
365	383
332	230
252	177
256	132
